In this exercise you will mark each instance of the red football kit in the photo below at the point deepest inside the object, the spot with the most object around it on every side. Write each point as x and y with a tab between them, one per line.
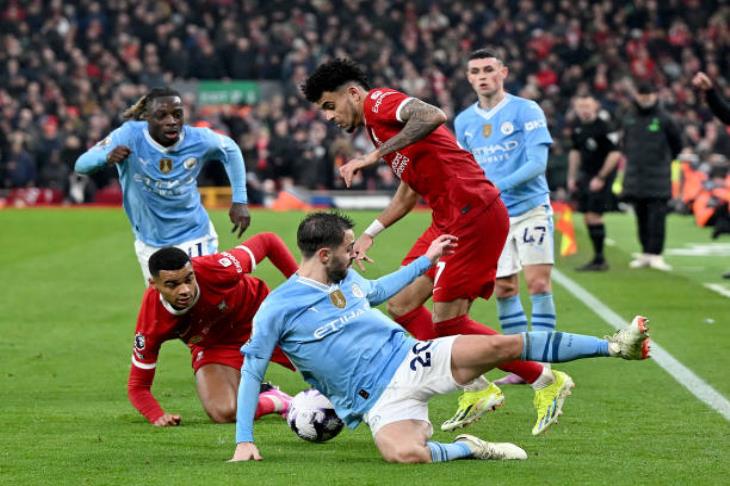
463	201
214	326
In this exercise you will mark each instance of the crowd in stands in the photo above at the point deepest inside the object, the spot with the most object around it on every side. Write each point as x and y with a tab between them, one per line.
69	68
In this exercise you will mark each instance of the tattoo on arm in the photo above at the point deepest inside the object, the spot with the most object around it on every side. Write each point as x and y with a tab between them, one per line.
421	119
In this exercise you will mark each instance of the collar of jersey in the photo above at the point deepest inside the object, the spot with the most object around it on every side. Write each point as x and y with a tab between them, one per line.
164	150
179	312
488	114
317	285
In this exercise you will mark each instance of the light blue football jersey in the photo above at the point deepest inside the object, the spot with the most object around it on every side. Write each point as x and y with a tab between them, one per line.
510	143
343	347
159	184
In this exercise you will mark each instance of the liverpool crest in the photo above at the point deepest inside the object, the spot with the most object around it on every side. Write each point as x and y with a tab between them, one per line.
165	165
338	299
487	130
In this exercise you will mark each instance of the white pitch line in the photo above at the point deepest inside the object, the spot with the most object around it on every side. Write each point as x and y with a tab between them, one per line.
719	288
684	376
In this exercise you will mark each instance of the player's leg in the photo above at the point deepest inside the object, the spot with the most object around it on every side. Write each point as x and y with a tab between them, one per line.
399	418
473	356
407	306
217	376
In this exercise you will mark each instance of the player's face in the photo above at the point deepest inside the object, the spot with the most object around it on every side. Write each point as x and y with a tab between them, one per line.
586	109
165	120
486	76
646	100
343	106
341	258
177	287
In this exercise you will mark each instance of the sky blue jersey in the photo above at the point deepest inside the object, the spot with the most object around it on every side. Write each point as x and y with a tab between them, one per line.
341	345
159	184
510	142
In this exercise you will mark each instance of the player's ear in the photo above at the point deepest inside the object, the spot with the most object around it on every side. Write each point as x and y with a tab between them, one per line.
324	254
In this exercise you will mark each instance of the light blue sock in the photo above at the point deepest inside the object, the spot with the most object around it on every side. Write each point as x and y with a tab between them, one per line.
448	452
511	315
543	312
556	347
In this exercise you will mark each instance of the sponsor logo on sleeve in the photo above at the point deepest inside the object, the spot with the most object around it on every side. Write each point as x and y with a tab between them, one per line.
376	94
139	341
380	99
507	128
225	262
232	259
532	125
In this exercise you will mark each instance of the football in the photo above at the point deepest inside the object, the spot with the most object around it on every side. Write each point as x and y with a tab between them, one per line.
312	417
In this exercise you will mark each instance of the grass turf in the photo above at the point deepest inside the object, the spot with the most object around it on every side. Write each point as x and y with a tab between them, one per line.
67	314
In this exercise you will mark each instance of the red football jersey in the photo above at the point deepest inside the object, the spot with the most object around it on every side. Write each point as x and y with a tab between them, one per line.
227	300
446	176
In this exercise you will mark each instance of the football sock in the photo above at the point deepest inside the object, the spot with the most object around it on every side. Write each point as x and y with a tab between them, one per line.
597	232
272	246
557	347
543	312
448	452
511	315
418	323
527	370
268	404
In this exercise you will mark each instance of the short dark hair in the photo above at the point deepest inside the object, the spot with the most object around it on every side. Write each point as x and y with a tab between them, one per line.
484	54
139	109
167	258
322	230
332	75
645	87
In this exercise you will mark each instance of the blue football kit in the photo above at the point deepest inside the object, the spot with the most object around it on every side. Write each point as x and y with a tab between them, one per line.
510	142
159	184
342	346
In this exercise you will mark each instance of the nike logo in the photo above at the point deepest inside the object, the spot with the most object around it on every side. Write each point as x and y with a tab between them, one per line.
313	309
468	134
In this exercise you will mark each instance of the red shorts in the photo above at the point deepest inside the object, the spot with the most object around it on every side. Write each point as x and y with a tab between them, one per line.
229	355
471	271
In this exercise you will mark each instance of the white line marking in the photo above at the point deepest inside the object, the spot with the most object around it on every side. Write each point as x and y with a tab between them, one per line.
684	376
719	288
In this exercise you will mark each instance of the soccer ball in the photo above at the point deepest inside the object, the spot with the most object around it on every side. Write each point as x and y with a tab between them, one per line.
312	417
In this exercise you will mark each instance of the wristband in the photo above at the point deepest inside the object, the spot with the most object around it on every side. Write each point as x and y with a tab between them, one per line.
374	228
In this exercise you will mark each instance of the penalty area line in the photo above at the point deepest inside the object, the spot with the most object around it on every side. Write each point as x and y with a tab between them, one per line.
684	376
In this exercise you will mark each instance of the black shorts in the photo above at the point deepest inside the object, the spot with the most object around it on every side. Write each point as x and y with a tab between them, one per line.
599	202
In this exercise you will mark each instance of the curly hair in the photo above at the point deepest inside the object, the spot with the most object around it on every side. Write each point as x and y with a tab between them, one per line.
138	111
330	76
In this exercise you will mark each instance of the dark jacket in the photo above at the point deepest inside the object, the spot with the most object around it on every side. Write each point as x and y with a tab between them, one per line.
719	106
651	141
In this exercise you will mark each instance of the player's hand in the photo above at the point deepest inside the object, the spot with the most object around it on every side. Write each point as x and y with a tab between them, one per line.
246	451
167	420
118	154
702	81
239	217
352	167
572	186
361	246
596	184
443	245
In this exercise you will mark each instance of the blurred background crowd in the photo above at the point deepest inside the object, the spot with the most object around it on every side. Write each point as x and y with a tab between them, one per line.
69	68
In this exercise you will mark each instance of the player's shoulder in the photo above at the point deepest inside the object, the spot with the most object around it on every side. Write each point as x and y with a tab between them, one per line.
132	128
520	103
377	96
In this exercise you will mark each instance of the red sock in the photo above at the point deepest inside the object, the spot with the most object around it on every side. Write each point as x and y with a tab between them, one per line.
527	370
266	406
270	245
419	323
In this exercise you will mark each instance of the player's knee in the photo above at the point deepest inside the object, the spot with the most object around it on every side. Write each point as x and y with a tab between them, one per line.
505	288
539	285
221	413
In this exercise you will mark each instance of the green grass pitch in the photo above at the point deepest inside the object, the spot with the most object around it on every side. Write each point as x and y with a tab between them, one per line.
71	290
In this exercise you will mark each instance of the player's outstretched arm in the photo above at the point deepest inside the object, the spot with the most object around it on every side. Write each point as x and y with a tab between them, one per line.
94	158
387	286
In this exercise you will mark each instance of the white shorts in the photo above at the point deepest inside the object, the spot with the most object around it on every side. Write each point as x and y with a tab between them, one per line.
530	241
425	372
205	245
